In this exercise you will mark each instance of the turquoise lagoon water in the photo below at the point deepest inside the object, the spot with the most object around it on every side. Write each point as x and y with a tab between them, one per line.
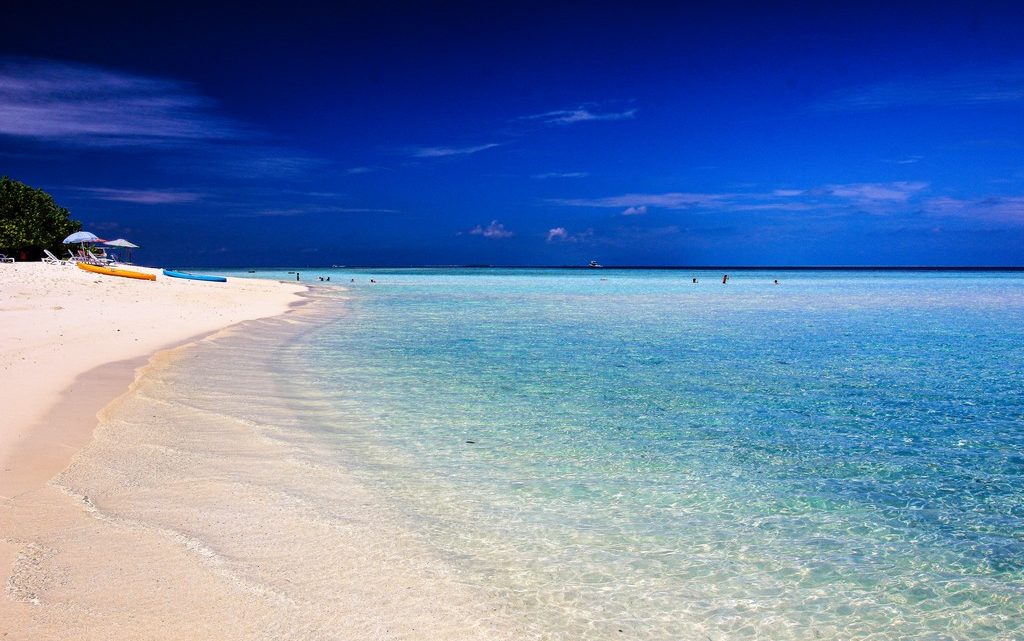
626	454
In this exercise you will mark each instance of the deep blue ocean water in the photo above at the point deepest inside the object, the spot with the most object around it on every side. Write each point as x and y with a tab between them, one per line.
627	454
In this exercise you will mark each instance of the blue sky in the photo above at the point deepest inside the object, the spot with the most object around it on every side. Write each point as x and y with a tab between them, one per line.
529	134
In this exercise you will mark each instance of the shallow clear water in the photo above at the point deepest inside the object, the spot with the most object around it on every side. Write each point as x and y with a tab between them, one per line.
631	455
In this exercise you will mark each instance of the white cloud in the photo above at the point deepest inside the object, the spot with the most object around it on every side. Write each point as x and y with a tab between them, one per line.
362	210
144	196
247	161
562	235
561	174
1002	209
580	114
493	230
85	105
872	192
441	152
967	88
557	233
877	198
271	213
670	200
786	206
283	212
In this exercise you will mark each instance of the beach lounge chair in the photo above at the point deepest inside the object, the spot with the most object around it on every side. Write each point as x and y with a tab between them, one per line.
50	259
85	256
94	256
101	255
5	259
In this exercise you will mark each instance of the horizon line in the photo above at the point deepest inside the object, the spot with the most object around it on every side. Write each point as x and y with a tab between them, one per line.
951	268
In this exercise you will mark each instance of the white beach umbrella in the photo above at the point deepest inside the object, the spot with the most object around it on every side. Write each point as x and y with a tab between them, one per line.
82	237
121	242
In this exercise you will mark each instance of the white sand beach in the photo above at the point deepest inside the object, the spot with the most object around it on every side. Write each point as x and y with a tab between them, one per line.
131	510
70	342
58	323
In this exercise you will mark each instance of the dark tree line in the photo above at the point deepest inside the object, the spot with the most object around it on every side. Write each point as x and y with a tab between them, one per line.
30	221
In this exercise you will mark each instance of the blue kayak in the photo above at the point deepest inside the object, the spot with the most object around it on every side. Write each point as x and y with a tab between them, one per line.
211	279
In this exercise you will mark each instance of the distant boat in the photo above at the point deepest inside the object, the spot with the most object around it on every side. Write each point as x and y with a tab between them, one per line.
594	264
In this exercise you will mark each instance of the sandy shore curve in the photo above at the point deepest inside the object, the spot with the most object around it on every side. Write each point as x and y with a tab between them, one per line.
70	343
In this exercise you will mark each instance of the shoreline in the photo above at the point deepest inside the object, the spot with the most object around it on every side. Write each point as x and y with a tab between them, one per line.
57	367
60	390
196	493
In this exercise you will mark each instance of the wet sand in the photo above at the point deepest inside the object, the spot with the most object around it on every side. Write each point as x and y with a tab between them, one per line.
191	508
70	343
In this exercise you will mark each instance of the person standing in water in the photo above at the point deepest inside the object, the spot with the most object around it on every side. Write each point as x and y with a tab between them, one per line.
725	279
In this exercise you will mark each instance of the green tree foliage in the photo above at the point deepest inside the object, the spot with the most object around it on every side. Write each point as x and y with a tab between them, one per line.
30	220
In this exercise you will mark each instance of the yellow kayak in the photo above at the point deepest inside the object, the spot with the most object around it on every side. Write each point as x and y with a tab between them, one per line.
110	271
